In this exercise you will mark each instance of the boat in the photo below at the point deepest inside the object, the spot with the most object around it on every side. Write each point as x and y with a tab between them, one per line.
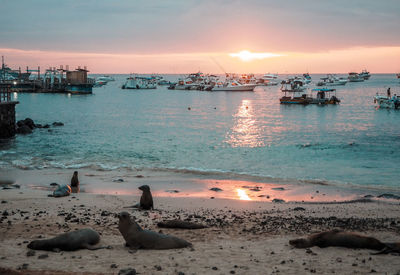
365	74
231	85
269	80
332	80
307	78
105	78
139	82
384	101
295	92
355	77
398	75
324	96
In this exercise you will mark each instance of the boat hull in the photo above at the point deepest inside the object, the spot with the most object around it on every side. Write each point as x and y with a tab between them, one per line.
244	88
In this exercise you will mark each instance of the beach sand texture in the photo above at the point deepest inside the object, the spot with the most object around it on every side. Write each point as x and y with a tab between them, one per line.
244	237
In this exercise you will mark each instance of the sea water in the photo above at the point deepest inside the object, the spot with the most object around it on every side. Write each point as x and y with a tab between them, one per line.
230	133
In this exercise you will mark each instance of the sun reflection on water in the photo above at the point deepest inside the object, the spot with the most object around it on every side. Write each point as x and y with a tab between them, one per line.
242	195
245	132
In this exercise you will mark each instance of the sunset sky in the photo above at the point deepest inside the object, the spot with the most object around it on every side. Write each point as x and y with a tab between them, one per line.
184	36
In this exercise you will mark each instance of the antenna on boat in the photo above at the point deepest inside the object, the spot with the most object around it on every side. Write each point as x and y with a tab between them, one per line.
219	66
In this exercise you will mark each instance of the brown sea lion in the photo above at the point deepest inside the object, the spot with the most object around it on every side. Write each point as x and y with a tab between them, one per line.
138	238
71	241
180	224
344	239
146	200
75	183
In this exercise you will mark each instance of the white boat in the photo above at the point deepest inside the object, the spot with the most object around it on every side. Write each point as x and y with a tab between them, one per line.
324	96
307	78
137	82
365	74
332	80
233	86
269	80
295	92
105	78
383	101
355	77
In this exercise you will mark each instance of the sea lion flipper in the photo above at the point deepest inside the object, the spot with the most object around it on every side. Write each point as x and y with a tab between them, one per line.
93	247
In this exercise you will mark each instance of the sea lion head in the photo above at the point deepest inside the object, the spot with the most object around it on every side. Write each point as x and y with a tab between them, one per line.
144	188
35	244
300	243
75	173
126	223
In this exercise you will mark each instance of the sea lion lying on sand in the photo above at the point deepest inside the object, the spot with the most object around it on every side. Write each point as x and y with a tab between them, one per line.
137	238
71	241
61	191
180	224
345	239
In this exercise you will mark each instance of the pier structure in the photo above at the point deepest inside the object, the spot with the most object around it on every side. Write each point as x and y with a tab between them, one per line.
7	112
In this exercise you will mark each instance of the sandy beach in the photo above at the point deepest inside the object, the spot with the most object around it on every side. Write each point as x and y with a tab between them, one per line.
243	237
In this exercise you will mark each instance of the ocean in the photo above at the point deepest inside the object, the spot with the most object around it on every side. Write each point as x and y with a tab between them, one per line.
225	133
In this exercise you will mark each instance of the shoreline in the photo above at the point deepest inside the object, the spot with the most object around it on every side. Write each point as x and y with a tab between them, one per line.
166	183
246	237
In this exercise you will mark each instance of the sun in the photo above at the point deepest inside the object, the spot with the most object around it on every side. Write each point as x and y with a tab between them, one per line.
249	56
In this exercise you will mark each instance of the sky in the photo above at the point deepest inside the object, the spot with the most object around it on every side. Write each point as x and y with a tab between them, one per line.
213	36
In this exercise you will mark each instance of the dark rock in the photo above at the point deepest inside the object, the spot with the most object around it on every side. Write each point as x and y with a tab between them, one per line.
53	184
172	191
30	253
368	196
389	196
216	189
127	271
58	124
214	268
113	266
20	123
299	209
278	188
29	122
278	200
139	176
3	201
118	180
158	268
24	130
46	126
38	126
43	256
5	213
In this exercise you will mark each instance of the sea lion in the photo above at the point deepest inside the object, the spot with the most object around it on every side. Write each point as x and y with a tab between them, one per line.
345	239
180	224
146	200
71	241
61	191
137	238
75	183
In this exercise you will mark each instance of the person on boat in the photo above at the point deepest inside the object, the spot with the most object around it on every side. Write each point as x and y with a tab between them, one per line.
388	92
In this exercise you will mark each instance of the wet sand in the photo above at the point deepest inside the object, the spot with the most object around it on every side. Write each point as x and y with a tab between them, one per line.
243	237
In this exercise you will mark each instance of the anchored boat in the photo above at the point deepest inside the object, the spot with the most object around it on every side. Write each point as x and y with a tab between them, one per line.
324	96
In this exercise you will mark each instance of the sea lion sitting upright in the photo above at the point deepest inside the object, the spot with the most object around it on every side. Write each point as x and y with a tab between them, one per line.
75	183
339	238
83	238
137	238
146	200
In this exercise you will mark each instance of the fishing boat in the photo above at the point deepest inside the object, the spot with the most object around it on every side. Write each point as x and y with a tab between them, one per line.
324	96
138	82
231	85
384	101
307	78
295	92
355	77
269	80
398	75
332	80
365	74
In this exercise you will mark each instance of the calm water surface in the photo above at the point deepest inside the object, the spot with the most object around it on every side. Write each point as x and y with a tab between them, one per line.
246	133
